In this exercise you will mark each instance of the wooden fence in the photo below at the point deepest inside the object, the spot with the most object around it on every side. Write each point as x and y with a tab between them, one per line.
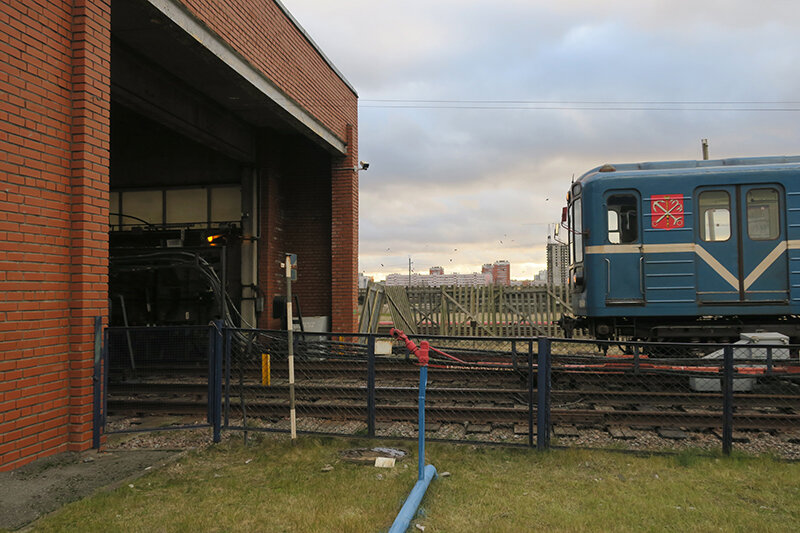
465	311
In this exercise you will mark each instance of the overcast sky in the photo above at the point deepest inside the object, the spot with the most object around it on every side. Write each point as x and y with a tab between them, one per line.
475	114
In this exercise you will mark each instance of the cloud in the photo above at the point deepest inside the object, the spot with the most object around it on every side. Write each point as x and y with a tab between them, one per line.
618	75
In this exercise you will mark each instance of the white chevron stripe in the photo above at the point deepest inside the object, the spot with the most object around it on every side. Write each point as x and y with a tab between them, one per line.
717	267
764	264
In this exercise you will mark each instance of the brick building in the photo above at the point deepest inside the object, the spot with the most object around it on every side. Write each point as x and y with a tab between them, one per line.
501	273
213	116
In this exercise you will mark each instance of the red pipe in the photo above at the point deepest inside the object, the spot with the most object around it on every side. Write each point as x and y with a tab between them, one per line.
422	352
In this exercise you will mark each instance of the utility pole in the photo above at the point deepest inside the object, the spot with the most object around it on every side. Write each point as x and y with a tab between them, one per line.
290	340
704	142
409	271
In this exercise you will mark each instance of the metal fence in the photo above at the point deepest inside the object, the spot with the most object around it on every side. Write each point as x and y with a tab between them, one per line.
516	391
163	372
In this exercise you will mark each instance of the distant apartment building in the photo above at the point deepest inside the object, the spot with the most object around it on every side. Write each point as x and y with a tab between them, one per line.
501	273
438	278
557	263
498	273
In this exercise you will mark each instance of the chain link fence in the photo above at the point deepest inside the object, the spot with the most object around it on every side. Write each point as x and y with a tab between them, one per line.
668	397
634	396
478	390
157	372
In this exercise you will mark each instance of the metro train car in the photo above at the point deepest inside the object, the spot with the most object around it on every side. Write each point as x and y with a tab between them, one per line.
685	250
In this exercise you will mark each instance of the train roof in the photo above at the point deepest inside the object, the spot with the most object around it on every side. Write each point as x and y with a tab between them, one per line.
691	166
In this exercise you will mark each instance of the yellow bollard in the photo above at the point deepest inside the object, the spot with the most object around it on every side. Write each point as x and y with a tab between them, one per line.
265	370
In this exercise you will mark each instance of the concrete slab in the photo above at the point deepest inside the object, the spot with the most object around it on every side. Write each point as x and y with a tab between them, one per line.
565	431
618	432
43	486
672	433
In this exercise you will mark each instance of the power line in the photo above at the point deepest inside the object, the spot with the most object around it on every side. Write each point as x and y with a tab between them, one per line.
603	102
587	105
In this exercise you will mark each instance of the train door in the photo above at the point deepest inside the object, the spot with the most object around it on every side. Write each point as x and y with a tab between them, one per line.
624	260
741	245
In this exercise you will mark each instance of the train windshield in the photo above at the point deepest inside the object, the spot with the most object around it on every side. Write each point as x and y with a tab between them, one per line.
576	227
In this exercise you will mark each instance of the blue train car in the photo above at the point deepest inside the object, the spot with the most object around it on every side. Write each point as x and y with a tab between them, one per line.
682	250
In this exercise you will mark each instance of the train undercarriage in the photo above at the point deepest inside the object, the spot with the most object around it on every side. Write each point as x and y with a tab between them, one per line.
717	329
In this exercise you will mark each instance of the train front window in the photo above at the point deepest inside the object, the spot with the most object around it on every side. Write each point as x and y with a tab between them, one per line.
715	216
623	225
577	231
763	214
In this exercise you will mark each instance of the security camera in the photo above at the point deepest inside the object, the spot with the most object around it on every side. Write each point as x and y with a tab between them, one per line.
363	165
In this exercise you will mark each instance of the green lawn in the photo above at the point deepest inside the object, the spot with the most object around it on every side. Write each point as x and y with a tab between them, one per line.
272	485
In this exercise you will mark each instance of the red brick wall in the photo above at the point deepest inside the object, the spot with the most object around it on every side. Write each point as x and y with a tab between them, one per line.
54	120
262	34
344	238
271	245
296	218
308	228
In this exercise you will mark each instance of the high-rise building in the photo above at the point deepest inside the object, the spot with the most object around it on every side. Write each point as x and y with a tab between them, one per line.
436	271
557	262
501	273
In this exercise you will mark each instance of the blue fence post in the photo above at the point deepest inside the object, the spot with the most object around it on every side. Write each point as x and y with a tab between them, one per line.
530	393
98	382
514	355
215	354
371	386
106	373
218	354
228	348
211	367
543	401
727	400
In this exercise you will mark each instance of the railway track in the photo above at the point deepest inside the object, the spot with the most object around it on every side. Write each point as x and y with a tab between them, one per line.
338	391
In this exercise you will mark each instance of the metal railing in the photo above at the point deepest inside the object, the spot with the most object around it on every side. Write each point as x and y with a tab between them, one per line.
538	392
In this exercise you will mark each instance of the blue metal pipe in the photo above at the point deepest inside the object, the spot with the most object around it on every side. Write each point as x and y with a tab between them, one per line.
426	473
409	508
423	384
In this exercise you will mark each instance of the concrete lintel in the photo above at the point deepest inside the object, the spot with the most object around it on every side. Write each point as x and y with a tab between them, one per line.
175	11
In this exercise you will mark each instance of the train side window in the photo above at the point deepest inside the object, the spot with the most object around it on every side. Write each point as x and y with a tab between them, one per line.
623	218
715	215
763	214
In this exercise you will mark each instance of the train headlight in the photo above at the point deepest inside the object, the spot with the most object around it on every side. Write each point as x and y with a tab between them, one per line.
577	277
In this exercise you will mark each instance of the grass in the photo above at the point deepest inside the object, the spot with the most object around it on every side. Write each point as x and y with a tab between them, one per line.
272	485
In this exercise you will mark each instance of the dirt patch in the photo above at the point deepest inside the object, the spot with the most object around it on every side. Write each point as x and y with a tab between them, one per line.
45	485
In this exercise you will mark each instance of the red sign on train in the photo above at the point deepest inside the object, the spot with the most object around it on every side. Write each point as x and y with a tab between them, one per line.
667	211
